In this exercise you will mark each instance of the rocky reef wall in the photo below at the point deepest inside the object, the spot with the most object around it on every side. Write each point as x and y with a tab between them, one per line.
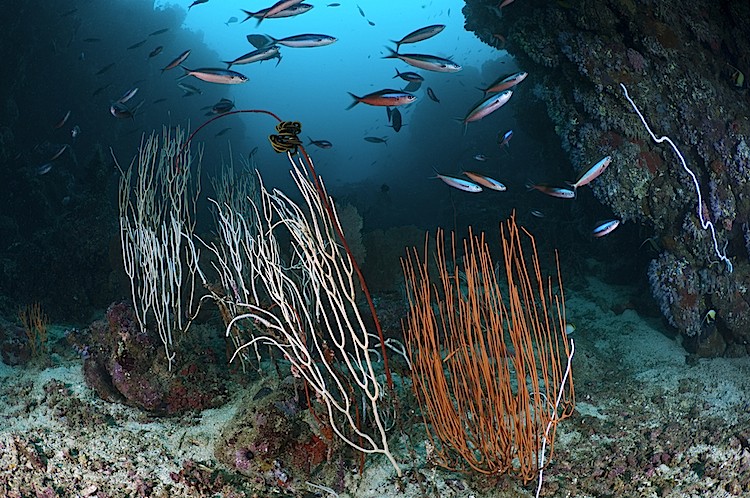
684	64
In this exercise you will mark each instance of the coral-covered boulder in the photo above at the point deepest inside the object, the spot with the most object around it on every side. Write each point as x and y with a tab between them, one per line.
14	346
127	364
271	441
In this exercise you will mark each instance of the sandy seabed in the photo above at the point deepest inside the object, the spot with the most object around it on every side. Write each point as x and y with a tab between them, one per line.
650	421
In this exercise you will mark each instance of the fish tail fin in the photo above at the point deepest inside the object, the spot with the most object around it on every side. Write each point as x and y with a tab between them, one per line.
530	185
437	173
483	90
398	45
463	122
248	14
357	100
260	20
228	63
397	73
187	73
393	54
574	187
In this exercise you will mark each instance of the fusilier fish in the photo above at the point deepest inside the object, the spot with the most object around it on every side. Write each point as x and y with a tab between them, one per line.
62	122
506	138
196	2
189	89
260	54
128	95
458	183
485	181
307	40
377	140
592	173
59	152
155	52
559	192
121	111
427	62
222	106
409	76
387	97
216	75
44	169
605	227
136	45
279	6
487	106
105	68
396	122
176	62
505	82
322	144
420	34
292	11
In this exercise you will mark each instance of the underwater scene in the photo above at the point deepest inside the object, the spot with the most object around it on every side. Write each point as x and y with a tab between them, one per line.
374	248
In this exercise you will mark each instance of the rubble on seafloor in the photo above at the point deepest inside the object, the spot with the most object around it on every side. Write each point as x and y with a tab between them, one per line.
650	421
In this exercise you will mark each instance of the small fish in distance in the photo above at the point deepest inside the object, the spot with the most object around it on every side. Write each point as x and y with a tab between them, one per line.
155	52
136	45
215	75
427	62
196	2
605	227
396	122
559	192
258	55
377	140
505	82
322	144
292	11
504	141
419	35
177	61
409	76
278	7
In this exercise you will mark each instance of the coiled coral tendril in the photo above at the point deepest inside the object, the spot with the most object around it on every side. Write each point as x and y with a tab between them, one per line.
287	139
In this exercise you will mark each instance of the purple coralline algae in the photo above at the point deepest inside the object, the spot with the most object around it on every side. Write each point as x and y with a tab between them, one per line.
127	364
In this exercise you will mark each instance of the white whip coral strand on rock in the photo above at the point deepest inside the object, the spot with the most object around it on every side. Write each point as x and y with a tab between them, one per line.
705	224
307	308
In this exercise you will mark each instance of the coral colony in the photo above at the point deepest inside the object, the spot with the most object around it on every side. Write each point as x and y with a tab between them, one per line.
705	223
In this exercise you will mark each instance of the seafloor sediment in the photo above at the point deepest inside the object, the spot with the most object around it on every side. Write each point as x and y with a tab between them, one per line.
650	421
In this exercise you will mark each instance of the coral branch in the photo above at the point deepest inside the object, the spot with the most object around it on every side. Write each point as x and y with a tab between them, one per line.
705	223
